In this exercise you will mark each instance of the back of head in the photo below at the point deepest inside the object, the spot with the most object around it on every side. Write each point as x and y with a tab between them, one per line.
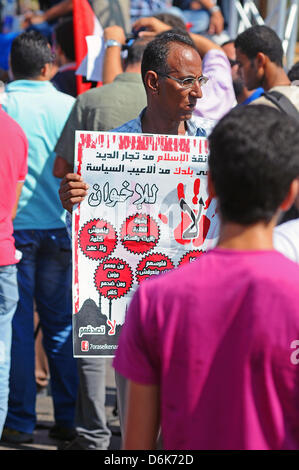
156	53
260	38
254	157
30	52
136	50
64	37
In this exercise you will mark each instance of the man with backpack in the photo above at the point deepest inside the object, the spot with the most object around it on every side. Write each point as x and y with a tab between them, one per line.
259	55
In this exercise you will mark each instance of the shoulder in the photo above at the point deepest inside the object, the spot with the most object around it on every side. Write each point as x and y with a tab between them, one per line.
64	97
200	126
91	97
181	278
133	126
290	91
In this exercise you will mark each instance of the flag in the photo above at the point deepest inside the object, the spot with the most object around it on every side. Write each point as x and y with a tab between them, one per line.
85	24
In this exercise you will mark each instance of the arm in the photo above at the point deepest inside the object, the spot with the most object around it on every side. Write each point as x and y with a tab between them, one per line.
56	11
142	419
154	26
112	65
216	20
18	194
203	44
65	147
72	191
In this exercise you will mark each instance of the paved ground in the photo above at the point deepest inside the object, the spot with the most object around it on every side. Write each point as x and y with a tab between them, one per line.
45	420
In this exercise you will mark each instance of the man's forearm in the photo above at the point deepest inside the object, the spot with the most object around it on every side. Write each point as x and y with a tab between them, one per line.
112	64
60	9
142	417
203	44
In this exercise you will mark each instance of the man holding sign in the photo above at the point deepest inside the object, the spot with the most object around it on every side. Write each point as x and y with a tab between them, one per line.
172	76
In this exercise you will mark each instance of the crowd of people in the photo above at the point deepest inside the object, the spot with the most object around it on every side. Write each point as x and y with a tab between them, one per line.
231	383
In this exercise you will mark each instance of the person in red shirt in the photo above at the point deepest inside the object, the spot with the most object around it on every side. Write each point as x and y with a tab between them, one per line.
13	170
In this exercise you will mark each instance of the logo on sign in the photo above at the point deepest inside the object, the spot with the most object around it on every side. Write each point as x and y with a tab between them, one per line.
84	346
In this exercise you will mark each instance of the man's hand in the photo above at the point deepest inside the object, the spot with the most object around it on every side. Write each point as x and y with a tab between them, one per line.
115	32
216	23
149	26
72	191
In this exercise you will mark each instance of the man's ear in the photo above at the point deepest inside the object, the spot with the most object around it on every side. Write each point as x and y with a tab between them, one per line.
152	81
211	188
291	196
46	72
261	59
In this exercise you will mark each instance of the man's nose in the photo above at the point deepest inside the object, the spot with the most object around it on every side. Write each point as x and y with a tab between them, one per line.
196	90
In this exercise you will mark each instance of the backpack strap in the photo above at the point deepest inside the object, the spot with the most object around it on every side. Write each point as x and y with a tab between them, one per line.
282	103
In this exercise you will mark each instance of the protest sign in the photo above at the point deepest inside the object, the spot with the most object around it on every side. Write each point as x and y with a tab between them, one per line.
147	212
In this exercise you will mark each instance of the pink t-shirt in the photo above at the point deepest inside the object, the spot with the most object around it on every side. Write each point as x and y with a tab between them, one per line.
13	169
218	335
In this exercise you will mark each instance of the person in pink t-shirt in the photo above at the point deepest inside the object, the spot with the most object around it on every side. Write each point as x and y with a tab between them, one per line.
210	349
13	170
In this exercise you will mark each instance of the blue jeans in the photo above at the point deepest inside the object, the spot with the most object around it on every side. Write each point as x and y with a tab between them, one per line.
8	304
44	276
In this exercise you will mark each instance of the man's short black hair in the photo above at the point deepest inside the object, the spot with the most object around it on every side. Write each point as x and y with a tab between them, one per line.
260	38
30	52
136	50
64	37
254	157
156	53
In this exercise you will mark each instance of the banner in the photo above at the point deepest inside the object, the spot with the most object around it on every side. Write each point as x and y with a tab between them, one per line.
147	212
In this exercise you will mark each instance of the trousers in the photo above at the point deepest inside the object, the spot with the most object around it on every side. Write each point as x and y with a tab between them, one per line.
91	424
44	275
8	304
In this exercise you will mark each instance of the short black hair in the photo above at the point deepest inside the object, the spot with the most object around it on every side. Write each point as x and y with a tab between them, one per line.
260	38
30	52
136	50
64	36
254	157
156	53
293	73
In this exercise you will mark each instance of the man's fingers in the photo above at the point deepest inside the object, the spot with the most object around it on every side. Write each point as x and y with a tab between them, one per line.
72	193
72	181
146	34
72	190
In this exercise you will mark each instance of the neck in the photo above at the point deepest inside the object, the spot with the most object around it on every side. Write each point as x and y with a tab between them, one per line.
276	77
133	68
249	238
244	95
154	123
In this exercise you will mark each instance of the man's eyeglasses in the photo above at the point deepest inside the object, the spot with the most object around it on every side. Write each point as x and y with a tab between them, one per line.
187	82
